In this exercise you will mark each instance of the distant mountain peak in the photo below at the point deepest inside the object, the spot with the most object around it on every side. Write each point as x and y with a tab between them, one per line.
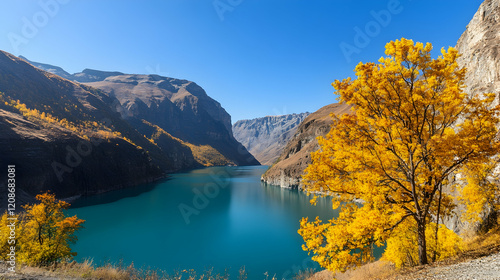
266	137
56	70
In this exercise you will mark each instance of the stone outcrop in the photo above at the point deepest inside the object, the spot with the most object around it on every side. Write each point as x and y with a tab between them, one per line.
266	137
296	156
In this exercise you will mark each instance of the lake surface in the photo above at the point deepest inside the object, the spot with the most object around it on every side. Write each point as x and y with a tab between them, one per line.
217	217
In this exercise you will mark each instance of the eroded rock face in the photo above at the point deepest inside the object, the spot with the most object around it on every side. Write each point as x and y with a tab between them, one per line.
296	156
480	49
266	137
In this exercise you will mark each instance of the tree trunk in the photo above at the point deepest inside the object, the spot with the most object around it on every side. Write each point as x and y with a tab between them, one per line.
422	244
437	223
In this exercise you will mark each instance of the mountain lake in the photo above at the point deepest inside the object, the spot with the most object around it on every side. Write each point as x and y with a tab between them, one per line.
220	218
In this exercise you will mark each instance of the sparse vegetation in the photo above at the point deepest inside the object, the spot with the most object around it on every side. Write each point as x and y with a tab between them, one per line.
82	128
205	155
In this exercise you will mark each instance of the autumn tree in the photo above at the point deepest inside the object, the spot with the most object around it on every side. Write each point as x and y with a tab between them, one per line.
44	234
414	132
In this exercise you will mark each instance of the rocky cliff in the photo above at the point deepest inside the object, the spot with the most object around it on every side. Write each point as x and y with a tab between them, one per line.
179	107
480	49
479	46
295	157
266	137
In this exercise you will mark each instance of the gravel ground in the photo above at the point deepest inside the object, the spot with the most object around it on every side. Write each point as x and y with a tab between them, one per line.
484	268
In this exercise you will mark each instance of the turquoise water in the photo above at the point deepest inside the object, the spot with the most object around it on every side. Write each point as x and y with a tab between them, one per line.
220	217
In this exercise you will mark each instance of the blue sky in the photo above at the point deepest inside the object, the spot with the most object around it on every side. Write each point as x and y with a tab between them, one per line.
256	57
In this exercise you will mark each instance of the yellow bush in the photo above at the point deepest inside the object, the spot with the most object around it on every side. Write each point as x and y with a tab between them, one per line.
402	247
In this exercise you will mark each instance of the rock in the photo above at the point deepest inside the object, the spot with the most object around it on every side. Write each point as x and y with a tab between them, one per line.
179	107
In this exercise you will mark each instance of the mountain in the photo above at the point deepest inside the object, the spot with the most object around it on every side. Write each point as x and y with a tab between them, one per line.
295	157
50	68
64	137
75	139
158	106
266	137
180	107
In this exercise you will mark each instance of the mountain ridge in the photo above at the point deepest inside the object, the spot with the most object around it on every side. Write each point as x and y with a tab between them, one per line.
145	97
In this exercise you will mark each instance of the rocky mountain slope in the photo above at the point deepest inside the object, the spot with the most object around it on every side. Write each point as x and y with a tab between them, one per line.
479	46
74	139
64	137
266	137
161	108
287	171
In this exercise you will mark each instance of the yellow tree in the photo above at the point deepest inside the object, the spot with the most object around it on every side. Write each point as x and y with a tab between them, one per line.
385	166
46	233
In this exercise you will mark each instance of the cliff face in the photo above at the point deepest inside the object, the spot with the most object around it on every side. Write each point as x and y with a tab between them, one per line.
287	171
479	46
480	49
266	137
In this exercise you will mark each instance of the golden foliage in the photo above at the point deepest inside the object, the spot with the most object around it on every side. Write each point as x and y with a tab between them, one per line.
84	128
43	233
413	130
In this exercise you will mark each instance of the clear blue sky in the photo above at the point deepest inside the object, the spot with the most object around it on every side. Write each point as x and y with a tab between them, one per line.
256	57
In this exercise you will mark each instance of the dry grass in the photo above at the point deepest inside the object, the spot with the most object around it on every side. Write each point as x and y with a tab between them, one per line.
375	270
87	270
484	244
